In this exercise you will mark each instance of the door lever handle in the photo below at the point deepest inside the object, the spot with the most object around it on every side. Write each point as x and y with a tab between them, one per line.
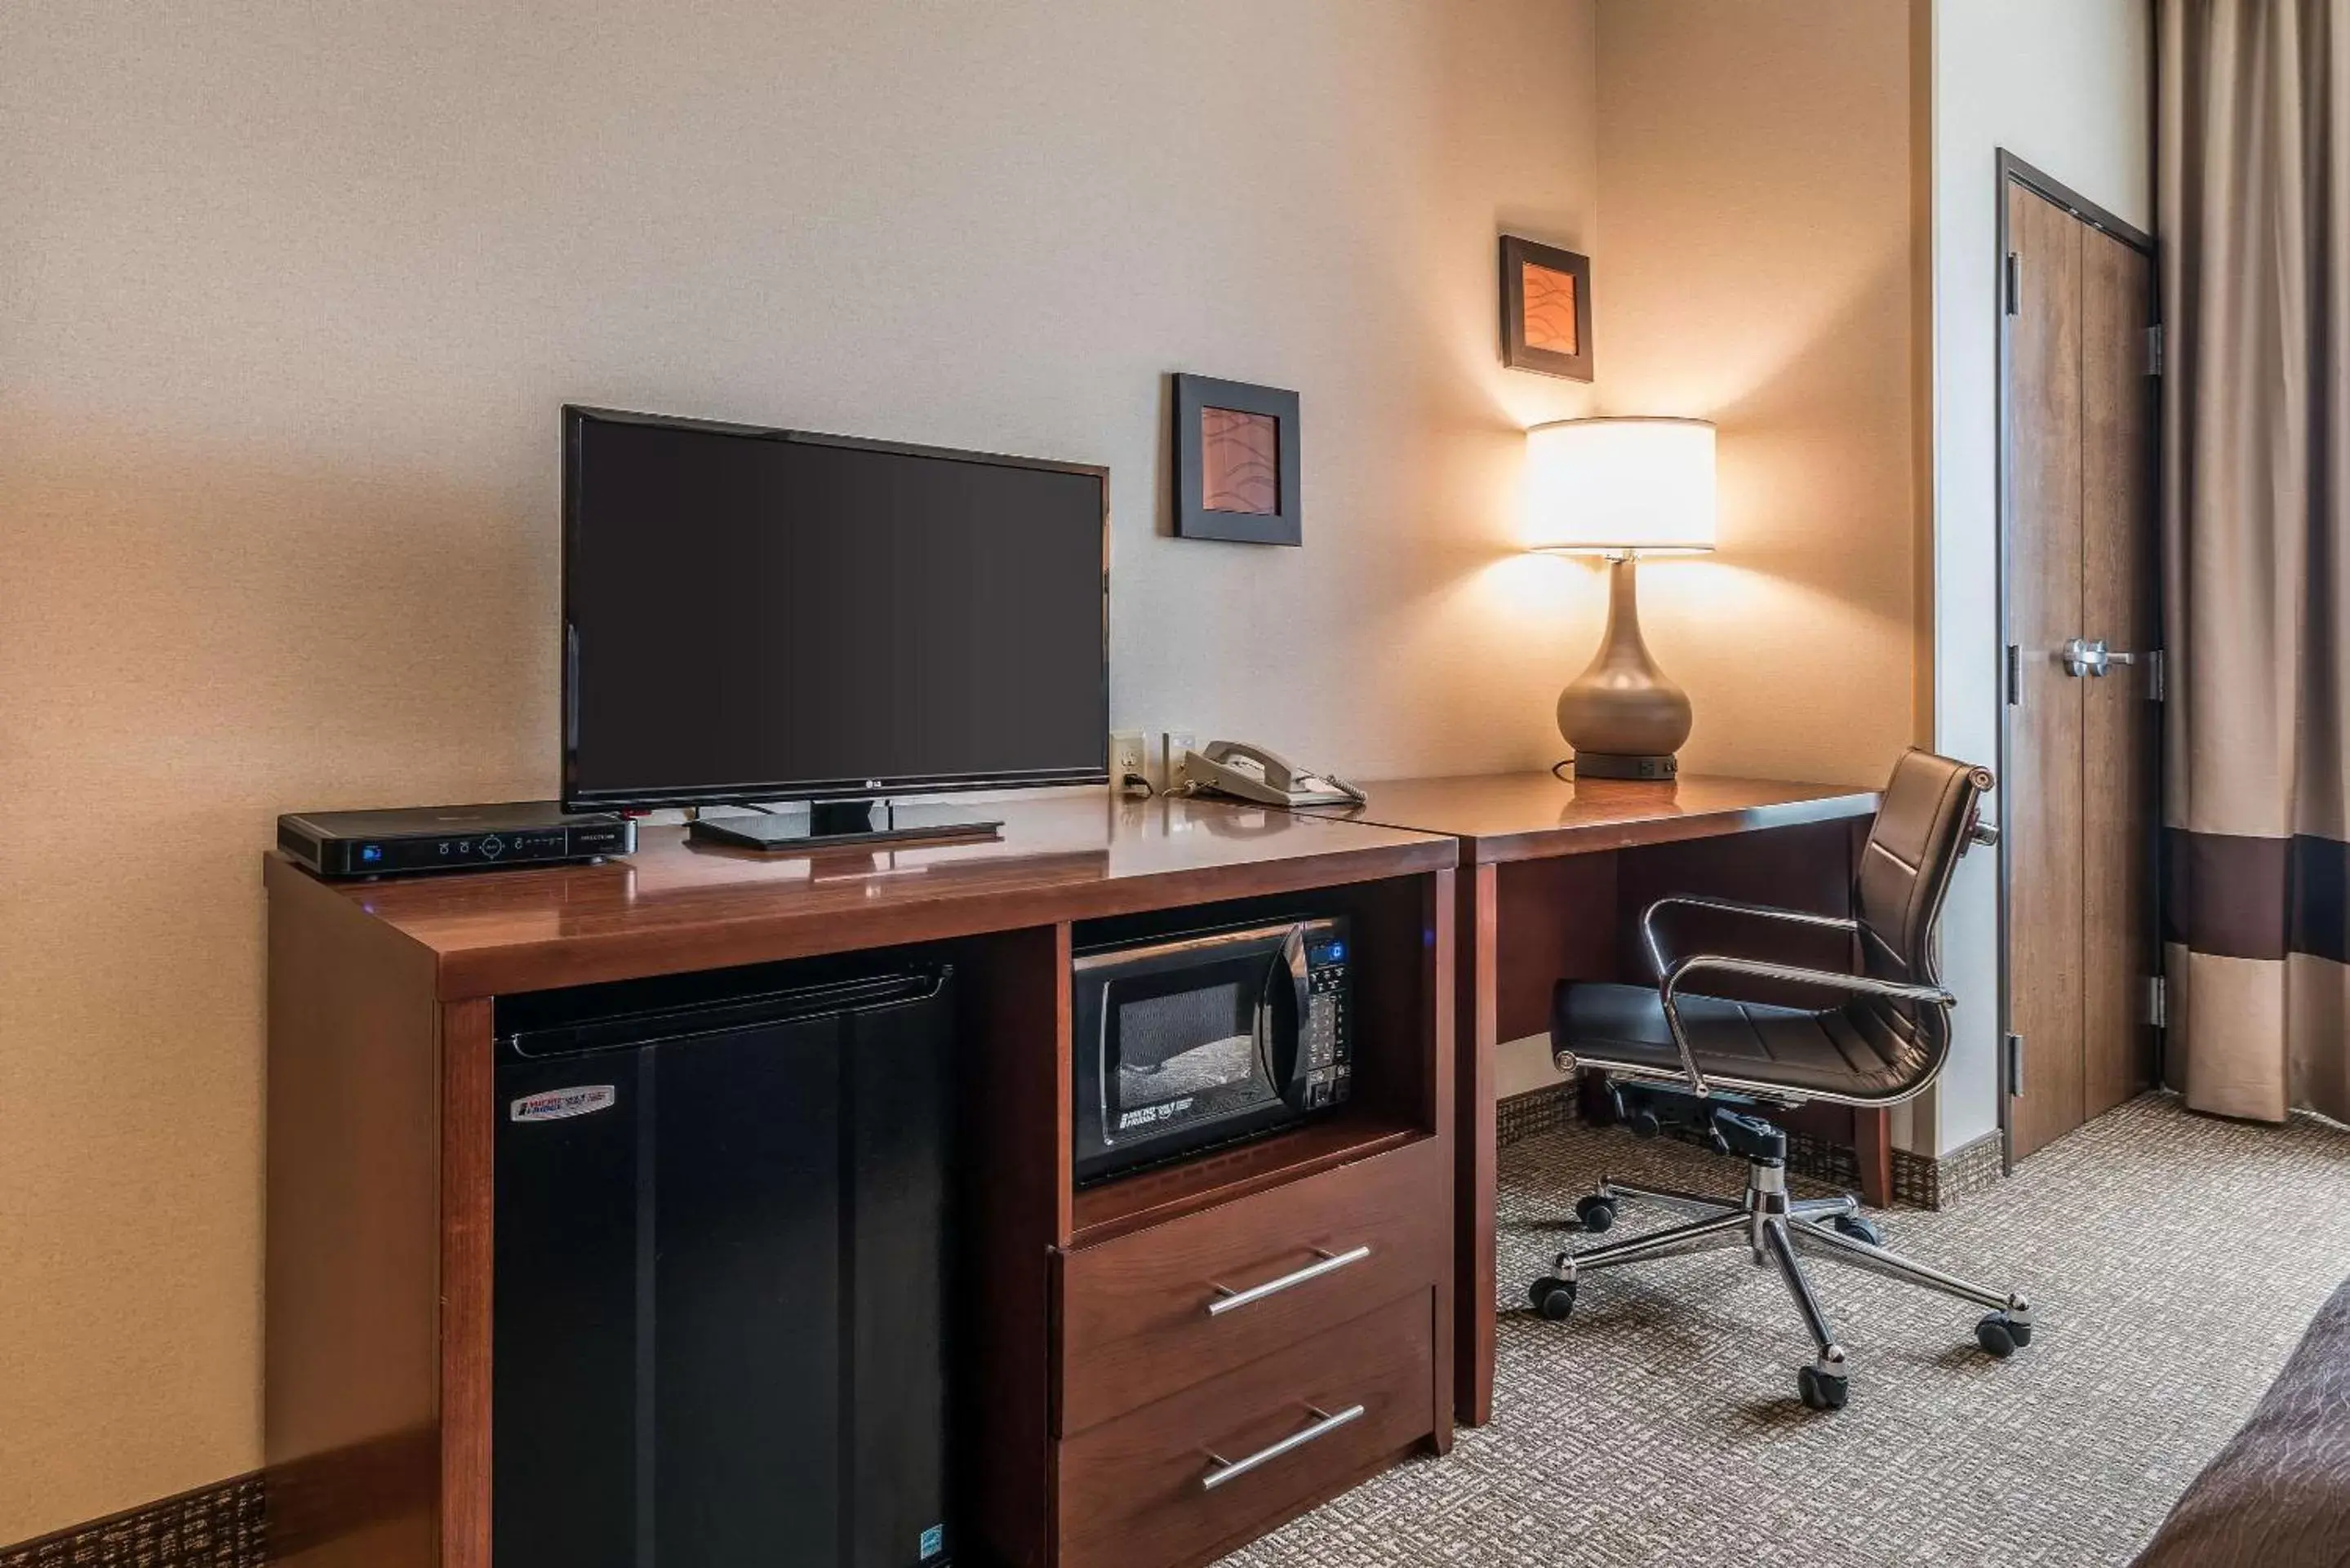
2082	657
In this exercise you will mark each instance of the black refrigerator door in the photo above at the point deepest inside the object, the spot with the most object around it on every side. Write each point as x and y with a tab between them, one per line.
564	1313
899	1072
720	1288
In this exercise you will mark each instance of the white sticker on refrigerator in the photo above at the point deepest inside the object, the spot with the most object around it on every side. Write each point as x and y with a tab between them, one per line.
553	1105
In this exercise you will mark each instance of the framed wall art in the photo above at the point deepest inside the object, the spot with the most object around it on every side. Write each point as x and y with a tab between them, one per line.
1236	465
1545	309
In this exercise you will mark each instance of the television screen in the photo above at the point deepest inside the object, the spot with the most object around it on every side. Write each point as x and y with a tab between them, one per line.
755	615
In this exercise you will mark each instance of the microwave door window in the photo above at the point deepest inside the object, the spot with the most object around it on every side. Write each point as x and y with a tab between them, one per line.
1185	1044
1185	1053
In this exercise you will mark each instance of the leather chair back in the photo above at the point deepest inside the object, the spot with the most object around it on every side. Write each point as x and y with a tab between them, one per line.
1922	828
1924	822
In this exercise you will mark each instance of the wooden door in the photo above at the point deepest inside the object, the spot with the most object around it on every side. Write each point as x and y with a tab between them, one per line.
2120	736
2041	789
2078	766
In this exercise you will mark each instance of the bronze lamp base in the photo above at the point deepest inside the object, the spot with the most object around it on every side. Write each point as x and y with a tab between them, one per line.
1624	716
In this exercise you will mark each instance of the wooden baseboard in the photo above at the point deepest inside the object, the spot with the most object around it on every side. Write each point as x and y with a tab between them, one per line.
1927	1182
216	1526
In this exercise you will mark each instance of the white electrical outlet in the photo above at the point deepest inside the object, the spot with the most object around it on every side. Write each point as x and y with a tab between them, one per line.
1129	758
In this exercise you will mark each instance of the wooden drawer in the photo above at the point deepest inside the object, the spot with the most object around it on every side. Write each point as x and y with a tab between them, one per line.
1134	1492
1135	1319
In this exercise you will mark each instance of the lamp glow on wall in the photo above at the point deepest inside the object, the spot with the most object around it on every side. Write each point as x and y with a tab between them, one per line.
1622	488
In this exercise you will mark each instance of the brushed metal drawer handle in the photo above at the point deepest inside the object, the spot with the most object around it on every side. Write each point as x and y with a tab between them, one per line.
1326	1423
1228	1299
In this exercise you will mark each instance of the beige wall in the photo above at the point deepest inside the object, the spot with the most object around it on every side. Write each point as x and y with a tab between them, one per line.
289	294
2067	86
1761	269
1756	180
288	299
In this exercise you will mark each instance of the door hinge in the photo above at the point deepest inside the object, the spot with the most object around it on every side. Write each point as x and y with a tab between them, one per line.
2015	1064
2154	350
2014	674
2013	283
2158	1001
2157	684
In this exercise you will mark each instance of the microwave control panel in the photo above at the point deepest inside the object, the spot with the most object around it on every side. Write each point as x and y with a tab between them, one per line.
1329	1049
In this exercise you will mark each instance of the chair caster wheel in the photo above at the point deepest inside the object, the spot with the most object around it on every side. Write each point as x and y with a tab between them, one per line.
1644	1124
1821	1390
1860	1229
2001	1335
1554	1298
1598	1213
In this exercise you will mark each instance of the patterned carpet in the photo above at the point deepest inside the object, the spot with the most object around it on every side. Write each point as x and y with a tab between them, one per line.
2172	1262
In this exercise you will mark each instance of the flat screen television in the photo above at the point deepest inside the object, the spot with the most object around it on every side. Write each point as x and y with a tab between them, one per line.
755	616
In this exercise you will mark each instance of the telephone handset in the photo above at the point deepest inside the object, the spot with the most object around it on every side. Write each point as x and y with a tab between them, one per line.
1249	772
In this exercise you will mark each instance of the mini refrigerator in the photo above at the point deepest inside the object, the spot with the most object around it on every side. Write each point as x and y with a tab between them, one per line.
721	1259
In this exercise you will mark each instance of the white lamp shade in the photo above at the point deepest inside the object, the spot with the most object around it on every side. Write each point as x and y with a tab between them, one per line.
1633	485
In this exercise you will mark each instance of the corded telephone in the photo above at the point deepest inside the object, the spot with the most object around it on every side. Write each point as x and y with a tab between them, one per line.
1249	772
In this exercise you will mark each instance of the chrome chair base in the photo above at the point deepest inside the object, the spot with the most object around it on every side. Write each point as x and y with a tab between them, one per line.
1773	1227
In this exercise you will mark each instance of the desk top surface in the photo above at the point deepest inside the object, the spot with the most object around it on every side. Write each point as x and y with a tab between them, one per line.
1528	816
676	904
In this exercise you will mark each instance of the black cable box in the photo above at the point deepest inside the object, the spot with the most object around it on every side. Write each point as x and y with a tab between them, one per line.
450	837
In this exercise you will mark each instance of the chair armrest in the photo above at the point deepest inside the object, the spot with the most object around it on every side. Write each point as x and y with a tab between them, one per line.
1730	907
1762	969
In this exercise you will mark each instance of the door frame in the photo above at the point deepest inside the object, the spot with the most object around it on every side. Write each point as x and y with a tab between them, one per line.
2015	171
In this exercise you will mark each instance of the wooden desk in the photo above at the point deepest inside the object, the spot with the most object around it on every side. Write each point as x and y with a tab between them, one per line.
676	904
1082	1432
1553	875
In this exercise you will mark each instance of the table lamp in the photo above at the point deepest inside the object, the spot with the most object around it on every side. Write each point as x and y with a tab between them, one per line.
1622	488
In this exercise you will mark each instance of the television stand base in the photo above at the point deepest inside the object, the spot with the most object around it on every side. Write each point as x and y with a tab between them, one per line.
838	824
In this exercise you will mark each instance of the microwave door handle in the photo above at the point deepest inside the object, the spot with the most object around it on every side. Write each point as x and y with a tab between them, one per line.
1103	1067
1291	967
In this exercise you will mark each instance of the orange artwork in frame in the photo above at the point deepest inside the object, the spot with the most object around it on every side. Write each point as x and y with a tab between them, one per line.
1545	309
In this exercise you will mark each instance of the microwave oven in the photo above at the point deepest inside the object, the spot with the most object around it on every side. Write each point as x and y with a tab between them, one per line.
1207	1037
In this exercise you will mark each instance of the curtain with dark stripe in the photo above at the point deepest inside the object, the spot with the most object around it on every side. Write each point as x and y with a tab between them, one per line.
2253	175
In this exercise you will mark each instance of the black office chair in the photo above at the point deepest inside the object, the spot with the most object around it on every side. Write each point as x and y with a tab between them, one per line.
1672	1054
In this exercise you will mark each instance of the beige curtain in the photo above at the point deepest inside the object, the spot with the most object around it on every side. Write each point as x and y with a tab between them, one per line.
2254	176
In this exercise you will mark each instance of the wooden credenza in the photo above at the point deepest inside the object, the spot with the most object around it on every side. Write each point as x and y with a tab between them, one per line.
1130	1391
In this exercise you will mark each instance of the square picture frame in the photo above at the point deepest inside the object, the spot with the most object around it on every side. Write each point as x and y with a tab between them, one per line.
1236	469
1545	309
